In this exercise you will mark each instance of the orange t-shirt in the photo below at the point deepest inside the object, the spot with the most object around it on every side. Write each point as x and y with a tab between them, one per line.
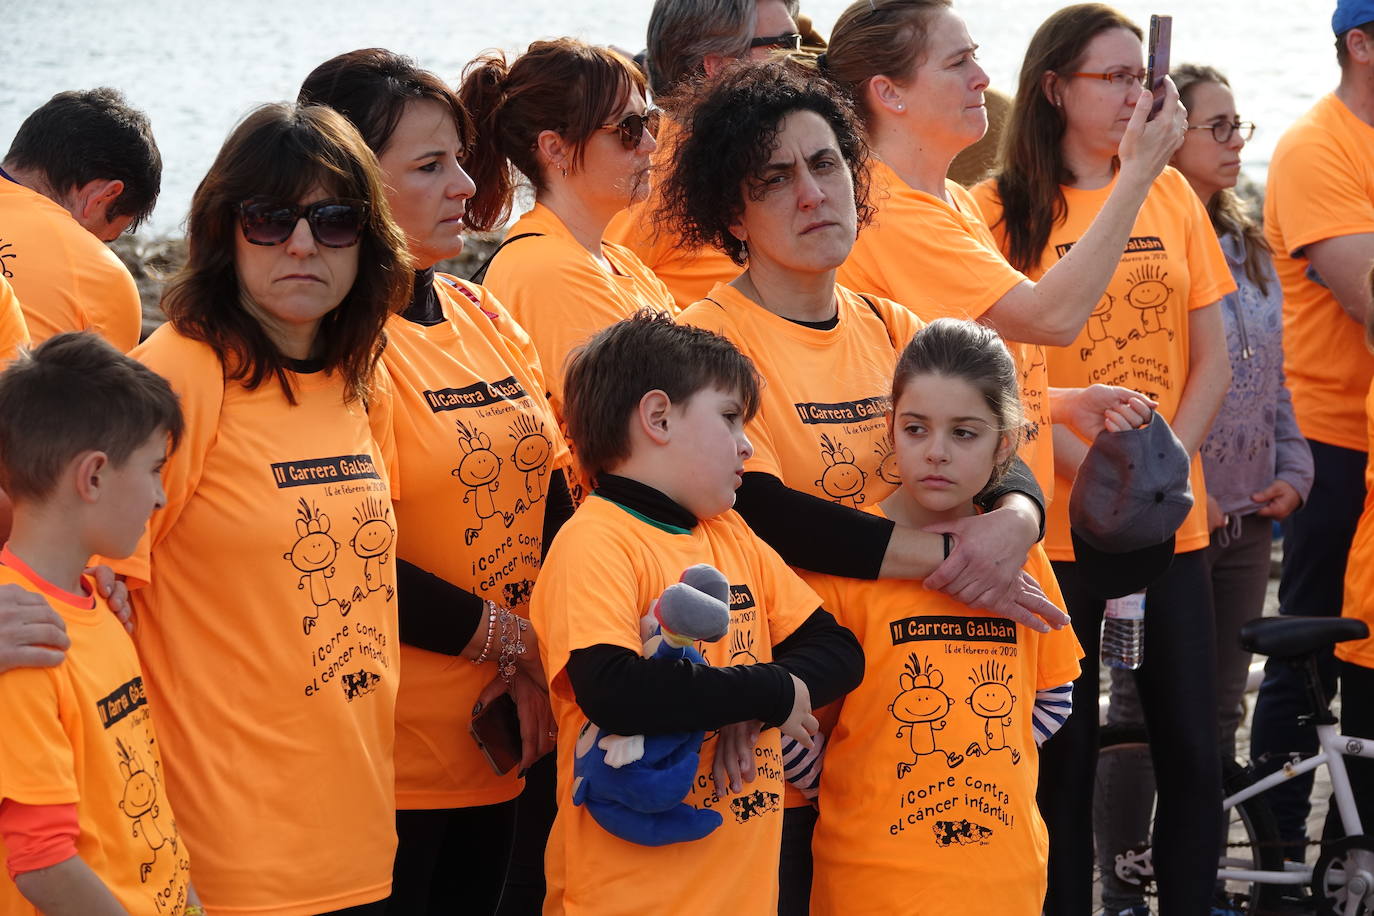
476	440
689	273
14	332
930	772
265	598
1359	568
558	292
941	261
82	733
822	421
607	565
1321	186
66	278
1138	334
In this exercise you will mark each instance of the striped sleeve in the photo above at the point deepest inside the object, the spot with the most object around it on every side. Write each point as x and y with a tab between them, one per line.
1052	707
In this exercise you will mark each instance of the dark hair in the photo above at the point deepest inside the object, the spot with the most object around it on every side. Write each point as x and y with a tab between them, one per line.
607	378
75	393
874	37
565	85
1342	52
1228	211
1033	167
966	350
372	87
283	151
731	130
78	137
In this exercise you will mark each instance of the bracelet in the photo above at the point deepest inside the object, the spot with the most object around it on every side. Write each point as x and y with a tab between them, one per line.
512	642
491	632
193	909
949	543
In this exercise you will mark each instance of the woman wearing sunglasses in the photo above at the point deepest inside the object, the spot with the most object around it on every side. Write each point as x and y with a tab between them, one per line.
572	119
474	477
1257	464
1157	330
265	589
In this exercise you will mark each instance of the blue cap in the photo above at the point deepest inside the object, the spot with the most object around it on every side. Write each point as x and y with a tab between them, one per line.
1350	13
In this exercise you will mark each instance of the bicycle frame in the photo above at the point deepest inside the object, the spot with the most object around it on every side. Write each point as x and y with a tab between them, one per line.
1334	748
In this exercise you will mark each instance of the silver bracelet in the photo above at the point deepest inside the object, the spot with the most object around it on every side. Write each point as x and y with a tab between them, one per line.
513	628
491	632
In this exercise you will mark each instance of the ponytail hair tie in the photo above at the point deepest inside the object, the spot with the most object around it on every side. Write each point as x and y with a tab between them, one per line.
821	62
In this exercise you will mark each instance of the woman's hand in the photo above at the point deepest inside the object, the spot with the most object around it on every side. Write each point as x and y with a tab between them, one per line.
1279	500
115	593
32	634
984	570
801	724
733	765
538	731
1147	146
1088	411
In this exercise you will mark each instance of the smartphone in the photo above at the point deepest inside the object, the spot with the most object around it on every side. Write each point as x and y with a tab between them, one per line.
496	729
1161	30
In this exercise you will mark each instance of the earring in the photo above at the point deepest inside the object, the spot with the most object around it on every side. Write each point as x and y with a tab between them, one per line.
564	170
901	106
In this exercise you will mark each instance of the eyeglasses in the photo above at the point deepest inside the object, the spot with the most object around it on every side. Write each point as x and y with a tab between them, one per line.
633	126
335	223
1122	79
790	41
1222	130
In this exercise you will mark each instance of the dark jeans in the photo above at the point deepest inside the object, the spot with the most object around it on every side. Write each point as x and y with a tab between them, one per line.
1316	542
1357	720
534	813
1177	688
794	864
451	860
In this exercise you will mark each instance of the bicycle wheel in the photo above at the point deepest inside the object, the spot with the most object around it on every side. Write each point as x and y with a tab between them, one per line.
1125	784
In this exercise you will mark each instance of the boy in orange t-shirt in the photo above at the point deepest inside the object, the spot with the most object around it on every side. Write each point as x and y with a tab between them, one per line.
659	411
85	823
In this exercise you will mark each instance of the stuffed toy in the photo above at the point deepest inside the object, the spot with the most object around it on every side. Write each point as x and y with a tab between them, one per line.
634	786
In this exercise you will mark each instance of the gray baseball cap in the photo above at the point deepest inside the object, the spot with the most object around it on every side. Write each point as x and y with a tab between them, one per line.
1130	496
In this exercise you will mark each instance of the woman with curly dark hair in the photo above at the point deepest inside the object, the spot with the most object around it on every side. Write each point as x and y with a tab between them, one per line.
264	589
772	169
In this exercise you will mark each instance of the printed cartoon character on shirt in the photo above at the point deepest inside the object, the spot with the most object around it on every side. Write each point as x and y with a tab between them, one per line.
139	804
887	462
922	707
1149	295
531	455
992	700
1097	326
479	470
313	554
372	543
842	480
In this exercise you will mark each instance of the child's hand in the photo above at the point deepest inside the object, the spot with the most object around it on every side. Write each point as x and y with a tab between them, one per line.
800	725
734	762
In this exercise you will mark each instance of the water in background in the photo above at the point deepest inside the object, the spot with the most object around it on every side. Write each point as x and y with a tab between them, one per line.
196	68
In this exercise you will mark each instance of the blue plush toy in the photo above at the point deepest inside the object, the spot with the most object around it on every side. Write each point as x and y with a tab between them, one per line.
634	785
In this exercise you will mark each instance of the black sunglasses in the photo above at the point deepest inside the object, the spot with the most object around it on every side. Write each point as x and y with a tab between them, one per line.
335	222
632	127
790	41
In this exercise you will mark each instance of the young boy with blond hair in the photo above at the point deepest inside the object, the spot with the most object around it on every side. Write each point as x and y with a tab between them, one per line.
85	825
657	412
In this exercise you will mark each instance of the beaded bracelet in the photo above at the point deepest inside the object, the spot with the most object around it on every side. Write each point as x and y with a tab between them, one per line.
512	643
491	632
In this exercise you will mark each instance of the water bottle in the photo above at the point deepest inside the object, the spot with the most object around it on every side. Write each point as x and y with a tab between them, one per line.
1123	632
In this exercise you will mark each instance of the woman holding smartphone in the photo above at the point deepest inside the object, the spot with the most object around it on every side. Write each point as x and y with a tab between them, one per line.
1158	330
